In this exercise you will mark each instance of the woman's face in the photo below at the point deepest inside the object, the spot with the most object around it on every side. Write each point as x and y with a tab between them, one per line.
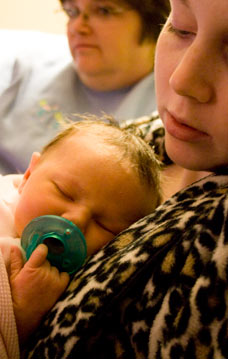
191	69
104	39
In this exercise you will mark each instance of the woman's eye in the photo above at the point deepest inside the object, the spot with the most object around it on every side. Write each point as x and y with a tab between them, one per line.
73	11
70	10
179	32
105	10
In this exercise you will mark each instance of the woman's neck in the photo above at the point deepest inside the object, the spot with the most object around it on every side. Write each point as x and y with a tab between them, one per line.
175	178
111	82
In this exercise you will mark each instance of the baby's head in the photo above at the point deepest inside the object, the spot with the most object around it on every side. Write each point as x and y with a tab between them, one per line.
96	175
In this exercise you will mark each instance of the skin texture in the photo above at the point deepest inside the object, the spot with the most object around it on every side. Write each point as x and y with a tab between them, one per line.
86	184
191	70
35	287
106	47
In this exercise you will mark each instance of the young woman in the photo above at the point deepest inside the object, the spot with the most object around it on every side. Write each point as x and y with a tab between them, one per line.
165	293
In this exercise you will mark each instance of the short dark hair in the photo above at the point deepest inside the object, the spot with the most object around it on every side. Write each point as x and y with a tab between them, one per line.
153	14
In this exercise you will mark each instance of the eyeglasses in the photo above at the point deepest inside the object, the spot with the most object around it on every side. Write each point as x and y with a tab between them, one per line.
95	10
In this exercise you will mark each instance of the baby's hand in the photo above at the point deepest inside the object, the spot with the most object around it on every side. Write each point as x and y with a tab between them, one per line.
35	287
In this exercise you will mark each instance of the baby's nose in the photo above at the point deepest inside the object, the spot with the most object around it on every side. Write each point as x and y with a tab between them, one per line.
80	216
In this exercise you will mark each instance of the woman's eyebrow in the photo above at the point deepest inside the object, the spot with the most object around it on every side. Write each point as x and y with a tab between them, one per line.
185	2
100	1
109	1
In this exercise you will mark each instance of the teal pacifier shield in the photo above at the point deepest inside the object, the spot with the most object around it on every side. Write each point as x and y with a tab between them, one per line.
66	244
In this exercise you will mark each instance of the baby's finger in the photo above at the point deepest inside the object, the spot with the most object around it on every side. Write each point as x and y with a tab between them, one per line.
38	256
16	261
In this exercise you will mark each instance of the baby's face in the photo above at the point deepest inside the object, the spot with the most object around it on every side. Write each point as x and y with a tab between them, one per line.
82	180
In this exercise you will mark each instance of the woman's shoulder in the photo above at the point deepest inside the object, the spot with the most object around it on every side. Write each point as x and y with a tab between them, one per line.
151	129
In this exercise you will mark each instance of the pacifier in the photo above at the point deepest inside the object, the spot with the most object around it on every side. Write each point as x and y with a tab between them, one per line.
66	244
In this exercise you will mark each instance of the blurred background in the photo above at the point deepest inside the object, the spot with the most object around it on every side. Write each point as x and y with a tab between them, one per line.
42	15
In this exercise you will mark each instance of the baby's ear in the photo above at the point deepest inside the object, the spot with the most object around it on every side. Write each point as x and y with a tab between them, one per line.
33	162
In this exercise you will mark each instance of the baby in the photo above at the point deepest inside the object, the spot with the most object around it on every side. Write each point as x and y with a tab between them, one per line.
100	177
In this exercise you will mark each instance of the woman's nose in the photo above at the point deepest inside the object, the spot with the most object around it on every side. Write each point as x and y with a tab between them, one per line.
80	24
81	216
192	75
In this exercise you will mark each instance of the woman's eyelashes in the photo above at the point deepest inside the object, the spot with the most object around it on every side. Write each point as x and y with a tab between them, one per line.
73	11
106	11
179	32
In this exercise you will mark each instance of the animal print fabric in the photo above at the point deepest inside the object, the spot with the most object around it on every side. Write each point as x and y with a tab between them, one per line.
158	290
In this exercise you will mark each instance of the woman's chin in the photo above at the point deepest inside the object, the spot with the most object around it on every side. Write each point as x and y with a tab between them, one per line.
184	156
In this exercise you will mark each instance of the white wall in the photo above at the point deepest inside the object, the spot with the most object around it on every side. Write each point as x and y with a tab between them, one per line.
43	15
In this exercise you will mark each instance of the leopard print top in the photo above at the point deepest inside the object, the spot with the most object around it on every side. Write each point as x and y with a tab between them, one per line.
158	290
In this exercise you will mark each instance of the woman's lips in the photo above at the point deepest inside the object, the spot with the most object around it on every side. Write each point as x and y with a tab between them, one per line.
180	131
82	47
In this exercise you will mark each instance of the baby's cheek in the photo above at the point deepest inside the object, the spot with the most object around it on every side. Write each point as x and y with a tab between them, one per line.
20	220
17	222
95	243
26	210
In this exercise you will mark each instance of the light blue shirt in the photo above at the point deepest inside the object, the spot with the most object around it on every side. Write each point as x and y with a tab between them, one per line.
39	86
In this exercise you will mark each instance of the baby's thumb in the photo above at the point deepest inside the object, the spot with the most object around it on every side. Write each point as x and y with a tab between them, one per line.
16	261
38	256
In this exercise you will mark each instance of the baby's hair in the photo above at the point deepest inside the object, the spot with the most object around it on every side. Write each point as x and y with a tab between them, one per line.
128	142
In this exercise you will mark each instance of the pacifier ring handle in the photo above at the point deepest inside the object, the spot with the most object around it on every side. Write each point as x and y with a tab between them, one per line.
66	244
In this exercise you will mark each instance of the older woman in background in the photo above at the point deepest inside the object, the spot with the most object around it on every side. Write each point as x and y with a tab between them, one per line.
112	46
